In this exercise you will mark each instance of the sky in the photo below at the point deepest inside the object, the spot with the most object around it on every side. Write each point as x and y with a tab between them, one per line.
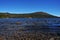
29	6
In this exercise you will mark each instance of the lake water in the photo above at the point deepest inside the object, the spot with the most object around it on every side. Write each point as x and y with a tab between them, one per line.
10	25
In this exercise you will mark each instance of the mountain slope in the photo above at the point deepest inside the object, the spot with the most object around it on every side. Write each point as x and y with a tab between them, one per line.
42	14
33	15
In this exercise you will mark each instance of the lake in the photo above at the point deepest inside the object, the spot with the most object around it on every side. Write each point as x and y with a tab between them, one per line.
10	25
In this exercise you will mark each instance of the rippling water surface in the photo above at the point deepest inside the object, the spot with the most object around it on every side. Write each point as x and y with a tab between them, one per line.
10	25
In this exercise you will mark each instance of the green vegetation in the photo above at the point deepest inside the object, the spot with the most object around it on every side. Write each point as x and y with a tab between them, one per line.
30	15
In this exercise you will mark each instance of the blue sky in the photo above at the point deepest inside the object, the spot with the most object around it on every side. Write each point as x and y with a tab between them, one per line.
28	6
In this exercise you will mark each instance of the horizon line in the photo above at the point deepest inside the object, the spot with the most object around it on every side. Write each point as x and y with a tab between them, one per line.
27	12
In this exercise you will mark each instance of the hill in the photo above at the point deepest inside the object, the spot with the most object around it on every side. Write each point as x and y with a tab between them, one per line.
29	15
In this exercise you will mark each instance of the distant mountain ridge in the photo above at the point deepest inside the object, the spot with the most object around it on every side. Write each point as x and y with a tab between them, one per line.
29	15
